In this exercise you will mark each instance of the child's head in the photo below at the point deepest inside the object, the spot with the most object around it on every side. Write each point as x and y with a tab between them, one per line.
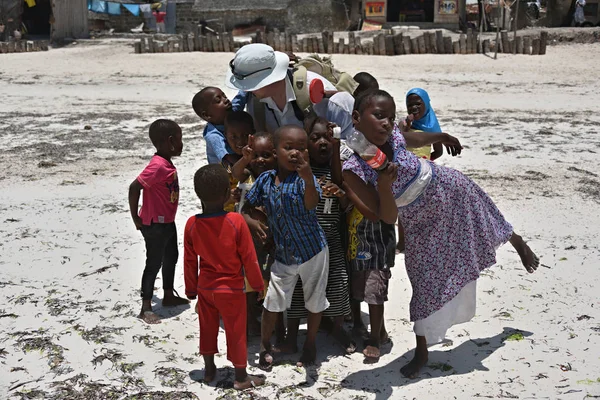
417	103
290	142
264	154
320	148
238	126
366	82
211	184
374	114
166	137
211	105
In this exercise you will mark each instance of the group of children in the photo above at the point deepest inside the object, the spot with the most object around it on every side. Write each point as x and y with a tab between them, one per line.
314	233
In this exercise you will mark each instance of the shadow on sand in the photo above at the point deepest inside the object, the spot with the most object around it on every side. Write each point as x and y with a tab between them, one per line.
463	359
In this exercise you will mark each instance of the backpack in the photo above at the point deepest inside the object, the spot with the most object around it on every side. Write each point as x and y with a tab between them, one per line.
303	106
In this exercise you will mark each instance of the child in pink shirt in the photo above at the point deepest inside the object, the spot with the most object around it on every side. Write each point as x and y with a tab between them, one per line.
156	219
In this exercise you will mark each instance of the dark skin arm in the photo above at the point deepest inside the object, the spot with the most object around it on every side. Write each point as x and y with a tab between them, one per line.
239	169
438	151
257	228
364	209
311	195
135	189
420	139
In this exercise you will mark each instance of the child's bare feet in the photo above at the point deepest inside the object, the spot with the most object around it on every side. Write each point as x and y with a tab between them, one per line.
173	300
149	317
530	260
210	372
412	369
309	356
250	382
371	351
340	334
265	359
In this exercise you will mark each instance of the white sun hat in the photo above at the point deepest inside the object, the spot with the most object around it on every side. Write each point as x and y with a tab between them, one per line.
256	66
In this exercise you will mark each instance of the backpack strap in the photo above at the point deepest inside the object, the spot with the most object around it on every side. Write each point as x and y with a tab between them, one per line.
258	109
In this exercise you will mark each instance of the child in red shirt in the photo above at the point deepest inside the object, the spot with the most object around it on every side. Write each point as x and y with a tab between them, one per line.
222	242
156	219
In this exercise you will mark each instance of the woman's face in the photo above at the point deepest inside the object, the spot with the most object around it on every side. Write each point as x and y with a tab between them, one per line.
376	120
415	106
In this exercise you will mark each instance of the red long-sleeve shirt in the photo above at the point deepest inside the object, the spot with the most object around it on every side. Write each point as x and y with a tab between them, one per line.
218	253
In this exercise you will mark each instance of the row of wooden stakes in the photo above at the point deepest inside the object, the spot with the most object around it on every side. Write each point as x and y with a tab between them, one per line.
382	44
23	46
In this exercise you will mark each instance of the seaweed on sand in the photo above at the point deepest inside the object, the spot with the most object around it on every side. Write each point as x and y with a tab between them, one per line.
130	368
99	334
111	355
158	395
40	341
171	377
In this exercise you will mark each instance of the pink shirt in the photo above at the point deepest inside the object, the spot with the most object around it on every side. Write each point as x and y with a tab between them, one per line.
161	191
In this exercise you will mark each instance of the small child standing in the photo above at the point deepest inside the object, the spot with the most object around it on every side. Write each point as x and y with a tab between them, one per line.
222	242
156	219
212	105
290	196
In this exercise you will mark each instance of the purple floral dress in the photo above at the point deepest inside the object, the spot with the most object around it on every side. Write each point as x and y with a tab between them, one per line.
451	231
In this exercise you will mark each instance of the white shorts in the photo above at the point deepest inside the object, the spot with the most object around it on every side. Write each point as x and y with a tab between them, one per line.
284	277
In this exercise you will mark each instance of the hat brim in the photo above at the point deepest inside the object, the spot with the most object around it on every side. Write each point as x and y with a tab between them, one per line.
260	79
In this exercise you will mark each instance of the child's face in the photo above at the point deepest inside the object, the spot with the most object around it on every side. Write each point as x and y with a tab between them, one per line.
218	108
377	120
415	106
264	159
237	136
320	147
176	143
292	145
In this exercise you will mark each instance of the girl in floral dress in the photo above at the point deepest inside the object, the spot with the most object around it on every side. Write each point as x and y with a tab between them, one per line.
452	227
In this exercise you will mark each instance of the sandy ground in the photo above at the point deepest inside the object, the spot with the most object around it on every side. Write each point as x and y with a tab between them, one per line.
71	260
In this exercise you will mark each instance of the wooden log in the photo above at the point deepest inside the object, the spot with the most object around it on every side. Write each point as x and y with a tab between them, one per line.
11	47
511	45
137	47
406	44
389	45
535	47
463	43
227	47
283	38
270	38
370	48
456	47
215	43
474	46
346	49
382	45
433	43
398	48
351	43
3	47
142	45
232	43
206	43
421	44
295	45
171	46
156	46
259	38
519	45
276	45
448	45
325	38
321	45
184	42
221	42
505	44
486	46
330	44
543	42
527	45
197	43
439	39
341	45
304	45
358	45
414	46
315	42
427	42
376	45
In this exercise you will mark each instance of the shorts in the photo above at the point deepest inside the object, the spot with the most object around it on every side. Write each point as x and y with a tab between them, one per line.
371	286
284	277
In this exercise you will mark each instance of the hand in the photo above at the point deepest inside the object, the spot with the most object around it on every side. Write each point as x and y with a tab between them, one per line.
452	144
236	195
261	294
303	167
407	123
329	188
138	222
248	150
388	175
335	141
258	229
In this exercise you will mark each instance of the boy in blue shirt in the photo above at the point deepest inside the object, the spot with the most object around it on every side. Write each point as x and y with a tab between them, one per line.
212	105
290	196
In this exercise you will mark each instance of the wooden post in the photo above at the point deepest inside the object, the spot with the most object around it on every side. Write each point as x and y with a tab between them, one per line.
486	46
397	44
439	39
171	46
206	43
137	47
456	47
215	43
325	38
516	22
270	38
191	40
3	47
303	45
283	37
142	45
421	44
346	49
227	45
351	43
382	50
505	44
474	43
512	46
518	45
389	45
276	44
330	43
414	46
341	45
433	43
295	47
406	44
535	47
155	46
184	42
469	41
321	45
543	42
427	43
376	45
232	43
463	43
358	45
315	42
258	38
527	45
448	45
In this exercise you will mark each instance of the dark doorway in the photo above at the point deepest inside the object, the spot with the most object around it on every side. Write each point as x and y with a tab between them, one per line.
36	19
410	10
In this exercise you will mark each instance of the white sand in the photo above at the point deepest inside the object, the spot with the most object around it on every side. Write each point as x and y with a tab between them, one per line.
530	126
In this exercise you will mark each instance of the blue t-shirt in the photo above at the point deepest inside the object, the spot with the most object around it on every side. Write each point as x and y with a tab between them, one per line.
214	135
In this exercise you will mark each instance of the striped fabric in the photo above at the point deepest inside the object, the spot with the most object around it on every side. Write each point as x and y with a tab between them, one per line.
296	231
337	281
372	245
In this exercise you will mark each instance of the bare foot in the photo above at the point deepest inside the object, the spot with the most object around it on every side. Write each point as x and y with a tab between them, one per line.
174	301
149	317
400	248
250	382
210	371
265	360
530	260
372	353
345	340
309	356
412	369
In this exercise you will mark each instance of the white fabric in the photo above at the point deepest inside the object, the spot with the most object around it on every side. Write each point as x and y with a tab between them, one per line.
417	186
338	109
257	65
459	310
284	277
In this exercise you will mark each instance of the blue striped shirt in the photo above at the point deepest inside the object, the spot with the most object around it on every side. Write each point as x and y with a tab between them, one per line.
296	230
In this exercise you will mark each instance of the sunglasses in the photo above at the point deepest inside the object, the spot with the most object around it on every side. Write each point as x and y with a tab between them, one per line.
241	77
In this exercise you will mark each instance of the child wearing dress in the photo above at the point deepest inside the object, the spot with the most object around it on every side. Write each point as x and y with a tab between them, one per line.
324	153
219	254
289	196
156	218
452	227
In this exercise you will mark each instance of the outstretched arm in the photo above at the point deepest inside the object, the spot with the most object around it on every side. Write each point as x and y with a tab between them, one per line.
420	139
